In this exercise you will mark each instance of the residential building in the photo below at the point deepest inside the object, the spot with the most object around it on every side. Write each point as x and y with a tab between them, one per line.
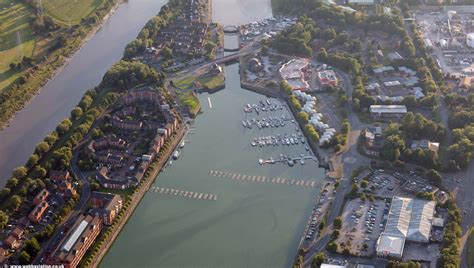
110	183
40	197
387	111
327	78
3	256
66	188
382	71
105	205
37	213
362	2
74	245
58	175
126	124
18	232
12	242
425	145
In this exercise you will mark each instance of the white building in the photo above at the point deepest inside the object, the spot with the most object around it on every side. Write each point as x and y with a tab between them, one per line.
408	220
390	246
362	2
388	111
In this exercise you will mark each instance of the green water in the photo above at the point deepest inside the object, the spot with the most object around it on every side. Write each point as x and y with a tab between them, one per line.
251	224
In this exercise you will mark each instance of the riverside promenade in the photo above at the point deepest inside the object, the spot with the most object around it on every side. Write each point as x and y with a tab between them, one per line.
137	196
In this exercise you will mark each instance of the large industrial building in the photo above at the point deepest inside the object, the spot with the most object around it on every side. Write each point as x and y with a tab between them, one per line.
409	220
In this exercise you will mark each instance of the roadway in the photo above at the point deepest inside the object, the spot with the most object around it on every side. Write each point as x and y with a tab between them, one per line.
68	220
350	160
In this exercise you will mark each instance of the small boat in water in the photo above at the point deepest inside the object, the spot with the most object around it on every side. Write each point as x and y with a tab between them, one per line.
182	144
176	155
260	161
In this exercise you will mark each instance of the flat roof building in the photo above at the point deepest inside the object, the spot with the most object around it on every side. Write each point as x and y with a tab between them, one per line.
388	111
408	220
293	73
390	246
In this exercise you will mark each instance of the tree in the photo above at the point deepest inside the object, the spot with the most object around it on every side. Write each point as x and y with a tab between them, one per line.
12	183
303	116
24	257
14	203
167	53
20	172
354	191
76	113
364	184
32	247
332	247
32	161
285	87
3	219
337	224
318	259
434	176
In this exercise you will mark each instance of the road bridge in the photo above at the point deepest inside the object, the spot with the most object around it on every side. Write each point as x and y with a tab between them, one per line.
231	29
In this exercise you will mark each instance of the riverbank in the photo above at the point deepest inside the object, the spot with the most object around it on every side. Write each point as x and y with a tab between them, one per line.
43	73
137	197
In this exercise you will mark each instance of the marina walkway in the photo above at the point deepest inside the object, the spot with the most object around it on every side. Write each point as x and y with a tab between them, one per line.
263	179
183	193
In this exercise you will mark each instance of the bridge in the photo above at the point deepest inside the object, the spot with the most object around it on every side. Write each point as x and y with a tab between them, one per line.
231	29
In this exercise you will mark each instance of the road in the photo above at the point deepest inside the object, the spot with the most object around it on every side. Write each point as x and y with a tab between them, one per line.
350	160
80	207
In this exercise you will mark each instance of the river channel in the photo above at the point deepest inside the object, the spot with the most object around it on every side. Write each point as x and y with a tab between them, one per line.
85	70
251	224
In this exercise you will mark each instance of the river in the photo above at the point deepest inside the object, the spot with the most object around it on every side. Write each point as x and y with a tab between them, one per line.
63	92
251	224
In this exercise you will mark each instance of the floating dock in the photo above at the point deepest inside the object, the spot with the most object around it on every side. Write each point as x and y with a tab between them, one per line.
184	193
263	179
209	101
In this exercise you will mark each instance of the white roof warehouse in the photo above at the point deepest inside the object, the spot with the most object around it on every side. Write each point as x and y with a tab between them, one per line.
409	219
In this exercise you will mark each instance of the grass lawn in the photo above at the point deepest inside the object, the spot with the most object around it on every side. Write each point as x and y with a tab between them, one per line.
210	81
17	38
470	249
70	10
190	100
14	27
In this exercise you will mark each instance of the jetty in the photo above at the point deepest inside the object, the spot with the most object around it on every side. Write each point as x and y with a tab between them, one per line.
184	193
262	179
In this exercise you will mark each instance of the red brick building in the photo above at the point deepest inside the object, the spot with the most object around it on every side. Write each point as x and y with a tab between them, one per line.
76	242
37	213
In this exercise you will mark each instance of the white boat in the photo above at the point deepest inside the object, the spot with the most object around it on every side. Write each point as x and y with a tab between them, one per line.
260	161
302	161
244	124
176	155
182	144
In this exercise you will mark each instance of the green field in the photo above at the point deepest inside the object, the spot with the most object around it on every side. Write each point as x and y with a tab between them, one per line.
189	99
16	38
70	11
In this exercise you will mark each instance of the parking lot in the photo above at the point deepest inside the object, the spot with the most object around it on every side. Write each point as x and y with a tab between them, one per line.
362	223
383	184
320	208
